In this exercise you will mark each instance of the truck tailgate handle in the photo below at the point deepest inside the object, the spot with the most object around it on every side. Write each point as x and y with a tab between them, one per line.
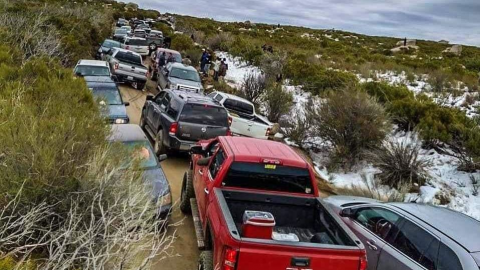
300	262
206	191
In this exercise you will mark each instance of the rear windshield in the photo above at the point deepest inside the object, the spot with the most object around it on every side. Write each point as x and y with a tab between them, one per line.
205	115
111	44
238	106
120	31
268	177
129	58
108	95
92	71
137	42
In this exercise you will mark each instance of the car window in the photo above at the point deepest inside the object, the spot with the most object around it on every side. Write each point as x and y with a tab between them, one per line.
219	98
166	100
417	244
211	95
92	71
111	44
204	115
185	74
137	42
447	259
129	57
379	221
217	163
173	109
238	106
159	97
110	96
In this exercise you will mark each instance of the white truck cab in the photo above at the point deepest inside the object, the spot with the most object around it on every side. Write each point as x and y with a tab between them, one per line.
244	120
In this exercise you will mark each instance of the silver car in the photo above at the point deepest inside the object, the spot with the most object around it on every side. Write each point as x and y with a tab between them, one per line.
138	45
404	236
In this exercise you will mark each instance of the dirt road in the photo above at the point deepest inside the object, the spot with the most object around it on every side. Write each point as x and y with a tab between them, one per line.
184	252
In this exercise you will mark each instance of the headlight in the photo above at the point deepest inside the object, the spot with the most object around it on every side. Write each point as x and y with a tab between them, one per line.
165	199
173	86
100	50
120	121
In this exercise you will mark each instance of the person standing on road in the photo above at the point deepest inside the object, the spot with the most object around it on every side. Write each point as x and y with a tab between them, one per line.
203	60
216	69
187	61
162	60
170	59
208	63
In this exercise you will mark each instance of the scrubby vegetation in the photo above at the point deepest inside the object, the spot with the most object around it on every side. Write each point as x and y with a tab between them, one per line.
65	201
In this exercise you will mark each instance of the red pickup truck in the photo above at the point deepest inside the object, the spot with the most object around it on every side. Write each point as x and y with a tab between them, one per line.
255	205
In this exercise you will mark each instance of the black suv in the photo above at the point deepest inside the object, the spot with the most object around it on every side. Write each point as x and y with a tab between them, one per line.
176	120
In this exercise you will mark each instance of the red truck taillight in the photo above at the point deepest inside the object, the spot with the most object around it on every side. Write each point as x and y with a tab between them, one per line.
116	66
267	133
173	129
363	263
127	47
230	258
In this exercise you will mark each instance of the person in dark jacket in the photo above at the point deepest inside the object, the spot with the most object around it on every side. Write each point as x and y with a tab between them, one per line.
203	60
171	58
162	60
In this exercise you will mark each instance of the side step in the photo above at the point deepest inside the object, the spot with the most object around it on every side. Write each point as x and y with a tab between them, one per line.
198	224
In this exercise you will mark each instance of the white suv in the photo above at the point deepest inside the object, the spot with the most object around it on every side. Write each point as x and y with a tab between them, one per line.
135	44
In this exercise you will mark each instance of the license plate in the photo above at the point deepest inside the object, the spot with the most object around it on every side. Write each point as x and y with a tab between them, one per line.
130	78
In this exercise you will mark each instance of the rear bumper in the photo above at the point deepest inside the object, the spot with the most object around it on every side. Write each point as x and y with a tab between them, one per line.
175	143
127	78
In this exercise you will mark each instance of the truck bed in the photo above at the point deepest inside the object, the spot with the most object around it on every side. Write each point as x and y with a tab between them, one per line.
305	217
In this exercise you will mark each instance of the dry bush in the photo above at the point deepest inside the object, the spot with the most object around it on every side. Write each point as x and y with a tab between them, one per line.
372	189
352	122
298	127
111	223
273	64
221	41
254	86
400	164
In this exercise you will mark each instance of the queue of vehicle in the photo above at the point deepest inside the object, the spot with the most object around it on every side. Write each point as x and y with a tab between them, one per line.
255	202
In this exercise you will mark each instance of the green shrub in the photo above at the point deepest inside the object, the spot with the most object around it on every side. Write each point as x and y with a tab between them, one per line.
182	43
278	102
385	92
325	80
351	122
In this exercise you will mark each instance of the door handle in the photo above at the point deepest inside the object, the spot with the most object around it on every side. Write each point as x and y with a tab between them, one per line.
371	245
206	191
200	172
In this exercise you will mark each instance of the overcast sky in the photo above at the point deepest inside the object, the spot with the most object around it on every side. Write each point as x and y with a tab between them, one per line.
455	20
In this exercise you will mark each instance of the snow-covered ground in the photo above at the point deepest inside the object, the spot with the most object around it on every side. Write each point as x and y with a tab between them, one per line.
446	185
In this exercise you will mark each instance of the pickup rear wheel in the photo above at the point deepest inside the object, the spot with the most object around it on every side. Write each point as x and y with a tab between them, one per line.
206	261
187	192
139	85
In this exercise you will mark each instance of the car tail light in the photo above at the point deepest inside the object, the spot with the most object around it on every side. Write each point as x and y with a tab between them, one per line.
229	132
116	66
173	129
127	47
230	258
230	120
363	263
267	133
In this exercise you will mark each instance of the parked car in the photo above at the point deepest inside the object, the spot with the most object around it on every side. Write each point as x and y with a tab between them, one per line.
255	205
121	22
105	47
127	27
153	56
106	90
144	27
155	40
402	236
244	120
140	33
92	68
176	120
135	44
120	34
127	66
138	144
179	76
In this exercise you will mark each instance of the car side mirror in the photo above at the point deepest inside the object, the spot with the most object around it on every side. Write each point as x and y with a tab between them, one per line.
203	162
114	78
162	157
149	97
197	149
347	212
126	104
78	73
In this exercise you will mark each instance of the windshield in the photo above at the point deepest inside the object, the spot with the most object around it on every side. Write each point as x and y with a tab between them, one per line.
269	177
204	114
185	74
120	32
92	71
129	57
137	42
111	44
110	96
141	155
238	106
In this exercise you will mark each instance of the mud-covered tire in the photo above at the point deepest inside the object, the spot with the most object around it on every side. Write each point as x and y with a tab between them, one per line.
140	85
142	121
187	192
205	262
159	148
